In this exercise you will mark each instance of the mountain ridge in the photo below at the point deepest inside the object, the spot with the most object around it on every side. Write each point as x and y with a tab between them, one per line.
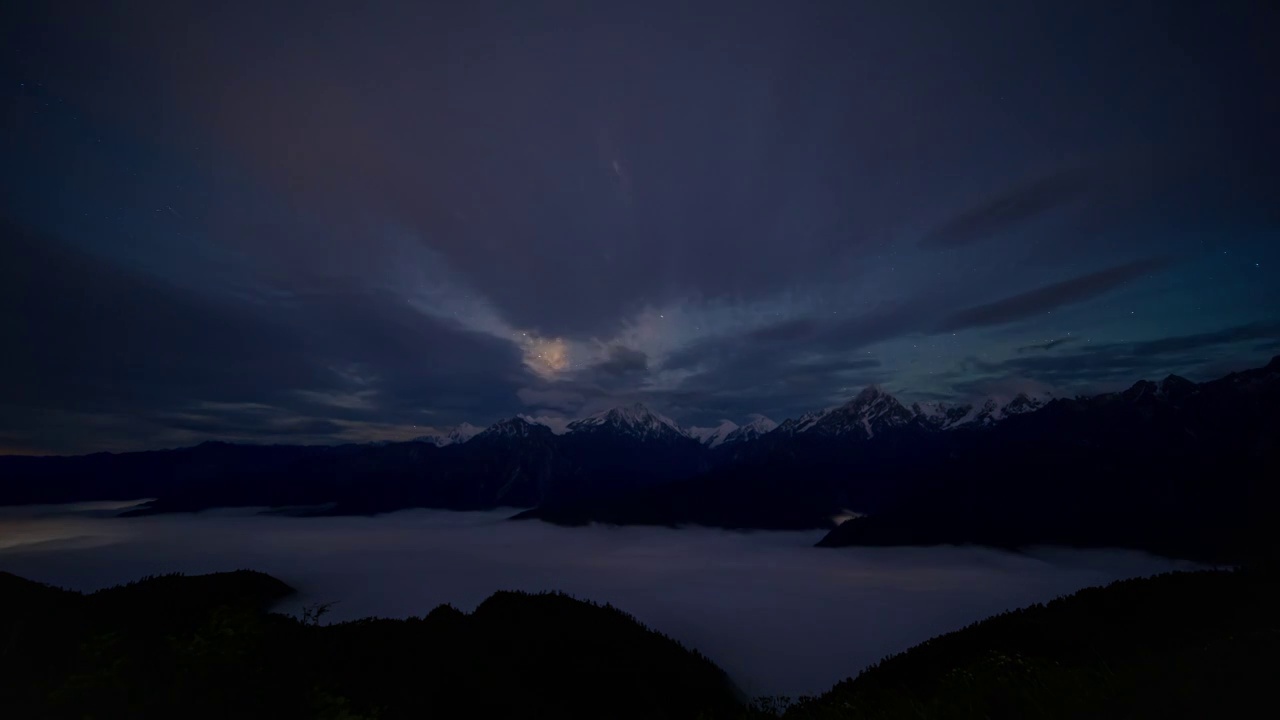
884	407
1153	451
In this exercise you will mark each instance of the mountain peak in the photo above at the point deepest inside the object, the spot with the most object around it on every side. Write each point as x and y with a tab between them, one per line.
868	413
515	427
557	425
455	436
758	426
1175	387
466	431
805	422
1141	389
760	423
870	393
636	412
991	410
941	415
635	419
1021	403
713	436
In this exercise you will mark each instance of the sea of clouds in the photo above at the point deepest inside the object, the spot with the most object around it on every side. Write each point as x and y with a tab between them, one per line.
781	616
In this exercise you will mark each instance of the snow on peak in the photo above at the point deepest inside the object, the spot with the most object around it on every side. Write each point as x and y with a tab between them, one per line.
871	411
794	426
758	426
713	436
941	415
465	432
997	409
1021	403
518	426
947	416
455	436
635	419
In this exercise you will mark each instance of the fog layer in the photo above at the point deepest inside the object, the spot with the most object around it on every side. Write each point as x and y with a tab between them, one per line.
780	616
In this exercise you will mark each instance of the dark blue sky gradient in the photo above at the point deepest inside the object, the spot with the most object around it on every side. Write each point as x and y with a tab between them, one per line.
318	223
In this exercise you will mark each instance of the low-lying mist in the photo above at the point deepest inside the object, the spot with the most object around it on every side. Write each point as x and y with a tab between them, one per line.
780	616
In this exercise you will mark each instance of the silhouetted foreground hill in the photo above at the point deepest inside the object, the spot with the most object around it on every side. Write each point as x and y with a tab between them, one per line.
1198	645
1181	645
204	647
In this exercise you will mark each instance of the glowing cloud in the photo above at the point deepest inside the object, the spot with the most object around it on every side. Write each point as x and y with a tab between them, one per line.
547	357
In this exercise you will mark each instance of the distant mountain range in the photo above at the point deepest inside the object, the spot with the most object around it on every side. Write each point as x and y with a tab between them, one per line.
455	436
1181	467
870	410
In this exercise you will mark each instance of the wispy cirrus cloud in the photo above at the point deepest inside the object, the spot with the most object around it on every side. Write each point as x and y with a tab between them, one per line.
1050	297
1012	207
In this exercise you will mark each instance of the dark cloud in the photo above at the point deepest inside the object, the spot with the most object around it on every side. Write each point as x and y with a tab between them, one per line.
623	360
723	169
837	365
789	331
771	378
757	371
92	340
554	398
1269	333
1050	297
1012	208
827	335
1048	345
90	336
614	380
229	420
1095	366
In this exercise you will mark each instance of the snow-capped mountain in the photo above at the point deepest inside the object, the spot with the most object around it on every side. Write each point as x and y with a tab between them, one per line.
557	425
872	411
516	427
993	410
758	426
635	421
730	433
713	436
795	426
949	416
867	455
1021	403
869	413
455	436
941	415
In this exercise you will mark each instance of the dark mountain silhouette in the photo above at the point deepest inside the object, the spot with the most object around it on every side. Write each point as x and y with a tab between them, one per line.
205	647
1182	645
1183	469
1174	466
1189	645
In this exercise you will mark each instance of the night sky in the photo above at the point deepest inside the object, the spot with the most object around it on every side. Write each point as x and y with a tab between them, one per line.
325	222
